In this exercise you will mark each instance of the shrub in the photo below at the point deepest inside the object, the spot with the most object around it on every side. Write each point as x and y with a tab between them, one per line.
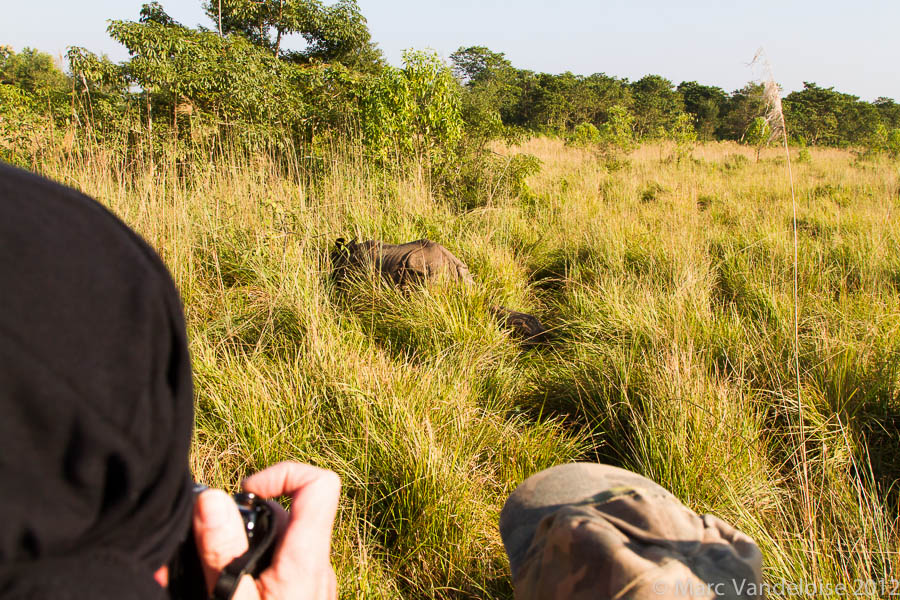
734	162
886	141
479	176
585	134
683	134
617	134
758	135
652	192
413	111
20	125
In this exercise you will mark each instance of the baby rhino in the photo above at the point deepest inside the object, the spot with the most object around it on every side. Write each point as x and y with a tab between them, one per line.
400	263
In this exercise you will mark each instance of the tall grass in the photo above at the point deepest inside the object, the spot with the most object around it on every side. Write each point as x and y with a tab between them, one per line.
669	285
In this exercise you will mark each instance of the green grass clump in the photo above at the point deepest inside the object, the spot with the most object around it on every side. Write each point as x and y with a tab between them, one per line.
669	290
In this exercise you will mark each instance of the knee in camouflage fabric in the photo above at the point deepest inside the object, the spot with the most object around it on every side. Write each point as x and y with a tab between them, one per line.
582	531
420	260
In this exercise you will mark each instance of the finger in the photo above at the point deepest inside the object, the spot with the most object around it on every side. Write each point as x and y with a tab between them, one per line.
218	533
314	492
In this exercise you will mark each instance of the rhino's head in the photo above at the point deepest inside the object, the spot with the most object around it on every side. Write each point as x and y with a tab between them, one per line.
341	258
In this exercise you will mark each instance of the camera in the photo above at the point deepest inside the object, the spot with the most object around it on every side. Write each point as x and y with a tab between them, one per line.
186	580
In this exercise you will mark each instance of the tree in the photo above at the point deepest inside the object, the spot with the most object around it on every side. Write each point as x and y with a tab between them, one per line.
824	116
656	105
535	100
20	123
889	112
607	92
758	135
892	146
705	103
887	141
478	65
490	90
560	102
742	107
553	105
226	76
97	73
33	93
413	111
332	33
32	71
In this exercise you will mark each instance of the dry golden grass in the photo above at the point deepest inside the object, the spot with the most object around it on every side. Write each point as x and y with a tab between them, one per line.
669	285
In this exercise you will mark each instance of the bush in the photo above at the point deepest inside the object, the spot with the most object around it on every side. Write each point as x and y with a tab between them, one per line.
20	125
758	135
413	111
652	192
478	176
684	136
893	143
886	141
733	162
617	134
584	134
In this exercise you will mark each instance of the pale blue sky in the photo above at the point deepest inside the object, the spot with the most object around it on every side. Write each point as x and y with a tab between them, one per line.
853	45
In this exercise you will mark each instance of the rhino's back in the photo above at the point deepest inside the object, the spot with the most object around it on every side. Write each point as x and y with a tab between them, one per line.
421	259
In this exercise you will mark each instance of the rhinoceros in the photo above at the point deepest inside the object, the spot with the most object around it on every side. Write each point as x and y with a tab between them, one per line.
423	260
524	326
420	260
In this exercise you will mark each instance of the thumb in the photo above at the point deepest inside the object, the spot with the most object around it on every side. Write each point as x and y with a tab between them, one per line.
220	538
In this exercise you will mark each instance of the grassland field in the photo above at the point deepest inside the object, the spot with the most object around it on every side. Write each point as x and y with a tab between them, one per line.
668	285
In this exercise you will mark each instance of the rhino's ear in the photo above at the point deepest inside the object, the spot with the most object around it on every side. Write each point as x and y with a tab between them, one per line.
345	249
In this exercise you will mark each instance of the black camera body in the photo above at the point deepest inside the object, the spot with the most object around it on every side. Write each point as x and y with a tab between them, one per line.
257	516
186	580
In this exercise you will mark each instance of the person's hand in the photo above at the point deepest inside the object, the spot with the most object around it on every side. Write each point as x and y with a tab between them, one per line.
301	566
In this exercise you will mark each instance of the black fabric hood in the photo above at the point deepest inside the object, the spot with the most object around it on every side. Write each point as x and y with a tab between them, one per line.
96	405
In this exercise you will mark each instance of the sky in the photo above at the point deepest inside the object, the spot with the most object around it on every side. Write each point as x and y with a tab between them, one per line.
851	45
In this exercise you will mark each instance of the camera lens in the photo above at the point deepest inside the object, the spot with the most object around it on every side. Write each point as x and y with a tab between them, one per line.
249	506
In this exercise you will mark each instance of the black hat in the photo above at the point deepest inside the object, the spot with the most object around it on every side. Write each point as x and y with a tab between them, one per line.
96	407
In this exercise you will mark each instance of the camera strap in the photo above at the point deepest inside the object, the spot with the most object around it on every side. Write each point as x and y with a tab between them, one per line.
252	562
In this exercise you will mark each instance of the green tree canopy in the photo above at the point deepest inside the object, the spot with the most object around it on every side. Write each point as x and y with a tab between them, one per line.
413	111
31	70
824	116
490	90
656	105
889	112
705	103
742	107
335	33
479	65
565	100
227	76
